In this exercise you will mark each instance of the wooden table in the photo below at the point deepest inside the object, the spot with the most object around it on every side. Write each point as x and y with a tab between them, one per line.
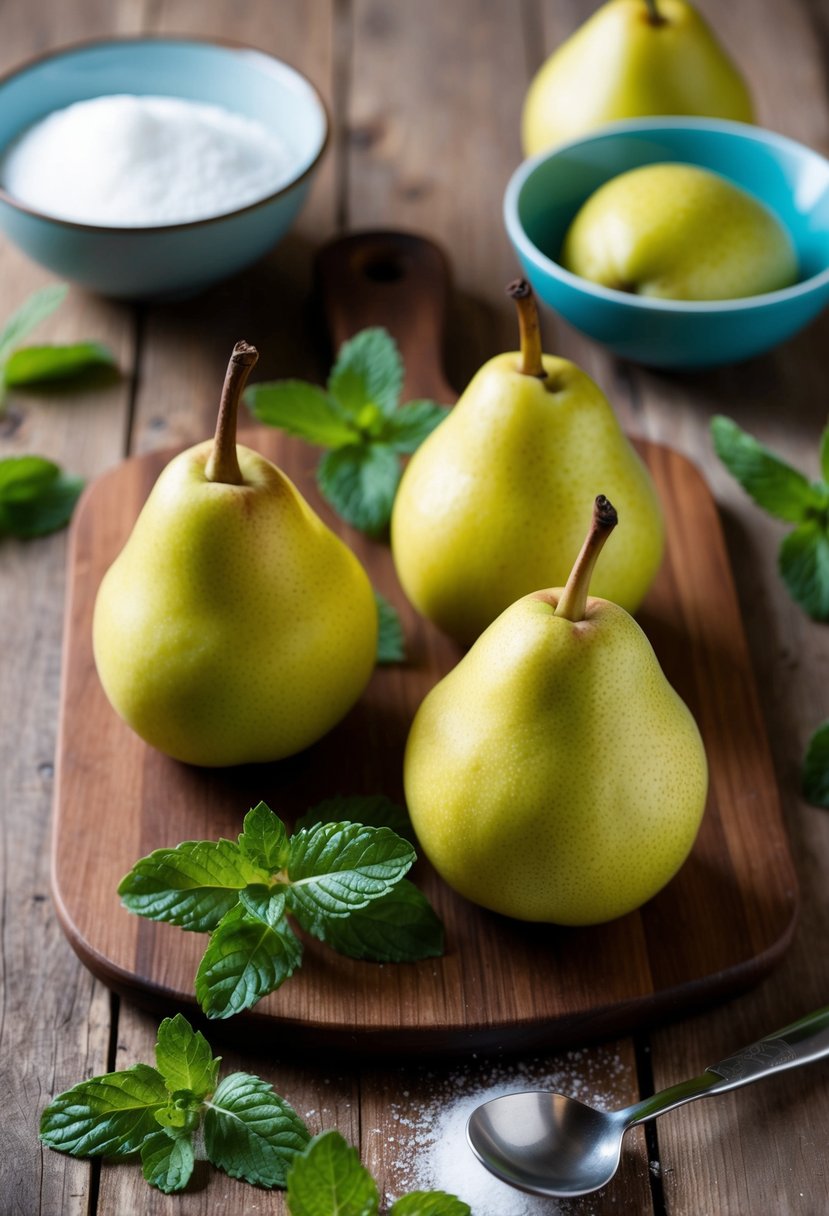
426	100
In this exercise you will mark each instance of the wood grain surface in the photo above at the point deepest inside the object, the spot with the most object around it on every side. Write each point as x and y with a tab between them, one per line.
426	101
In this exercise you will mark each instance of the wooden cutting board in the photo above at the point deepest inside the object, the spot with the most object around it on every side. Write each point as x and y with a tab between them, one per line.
718	927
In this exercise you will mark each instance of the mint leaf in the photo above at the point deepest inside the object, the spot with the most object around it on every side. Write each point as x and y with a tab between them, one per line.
391	644
184	1058
35	496
824	455
774	485
167	1164
360	482
303	410
368	371
193	885
816	768
804	567
328	1178
21	477
430	1203
252	1133
264	904
372	810
336	868
264	840
409	425
105	1116
244	961
400	927
37	364
30	314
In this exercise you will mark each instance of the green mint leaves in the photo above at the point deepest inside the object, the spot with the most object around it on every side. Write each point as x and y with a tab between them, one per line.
803	559
249	1131
391	642
35	496
328	1177
358	418
786	494
816	768
340	878
37	364
240	1124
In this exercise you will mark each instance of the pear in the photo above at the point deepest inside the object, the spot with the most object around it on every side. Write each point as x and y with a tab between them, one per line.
679	232
491	506
234	626
554	774
632	58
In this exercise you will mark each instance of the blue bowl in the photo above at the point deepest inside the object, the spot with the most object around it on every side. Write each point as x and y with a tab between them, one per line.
172	259
545	193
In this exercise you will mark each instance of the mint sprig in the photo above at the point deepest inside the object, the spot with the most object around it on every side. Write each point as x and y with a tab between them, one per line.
36	364
342	880
240	1124
788	495
358	418
327	1177
816	768
35	496
249	1131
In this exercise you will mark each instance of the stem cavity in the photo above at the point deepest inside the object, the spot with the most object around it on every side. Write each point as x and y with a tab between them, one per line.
654	15
532	363
573	602
223	463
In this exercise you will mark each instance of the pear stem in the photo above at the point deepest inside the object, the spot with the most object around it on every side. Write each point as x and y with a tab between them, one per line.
531	349
223	463
654	15
573	603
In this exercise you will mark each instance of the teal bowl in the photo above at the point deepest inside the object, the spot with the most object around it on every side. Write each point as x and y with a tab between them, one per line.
545	193
173	259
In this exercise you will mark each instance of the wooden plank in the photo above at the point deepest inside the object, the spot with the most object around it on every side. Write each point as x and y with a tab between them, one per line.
186	344
55	1022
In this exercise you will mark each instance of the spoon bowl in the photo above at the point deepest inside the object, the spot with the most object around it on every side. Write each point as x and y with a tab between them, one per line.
546	1143
552	1145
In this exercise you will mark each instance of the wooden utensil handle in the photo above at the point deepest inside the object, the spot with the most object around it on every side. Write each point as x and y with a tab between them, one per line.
399	281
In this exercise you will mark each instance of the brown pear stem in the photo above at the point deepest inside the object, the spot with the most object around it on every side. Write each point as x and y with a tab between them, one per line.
223	463
654	15
573	602
532	363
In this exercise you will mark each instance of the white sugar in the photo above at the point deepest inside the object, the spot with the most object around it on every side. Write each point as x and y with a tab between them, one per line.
430	1139
125	161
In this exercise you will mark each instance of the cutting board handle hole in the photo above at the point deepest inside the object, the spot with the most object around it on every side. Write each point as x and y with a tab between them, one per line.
384	268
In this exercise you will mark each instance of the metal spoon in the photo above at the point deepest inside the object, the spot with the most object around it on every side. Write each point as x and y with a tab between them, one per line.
549	1144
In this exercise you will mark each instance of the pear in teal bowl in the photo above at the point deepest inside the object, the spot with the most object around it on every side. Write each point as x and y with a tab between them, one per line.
792	181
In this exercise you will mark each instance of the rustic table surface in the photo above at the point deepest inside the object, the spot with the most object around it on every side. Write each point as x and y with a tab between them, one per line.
425	99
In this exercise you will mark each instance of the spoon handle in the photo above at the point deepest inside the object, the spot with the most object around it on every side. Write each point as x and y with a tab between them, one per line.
802	1041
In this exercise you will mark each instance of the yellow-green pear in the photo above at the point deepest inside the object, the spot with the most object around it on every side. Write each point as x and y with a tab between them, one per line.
679	232
491	506
234	626
554	774
632	58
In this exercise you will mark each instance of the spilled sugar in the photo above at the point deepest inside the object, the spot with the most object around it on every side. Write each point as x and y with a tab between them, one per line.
431	1152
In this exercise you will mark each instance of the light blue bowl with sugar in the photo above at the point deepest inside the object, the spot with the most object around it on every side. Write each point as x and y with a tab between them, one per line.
545	193
167	259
